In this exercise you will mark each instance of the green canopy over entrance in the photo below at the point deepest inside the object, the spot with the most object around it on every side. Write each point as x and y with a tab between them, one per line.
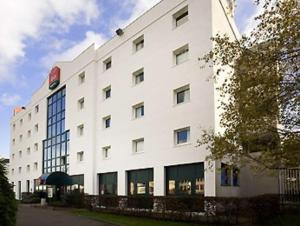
57	179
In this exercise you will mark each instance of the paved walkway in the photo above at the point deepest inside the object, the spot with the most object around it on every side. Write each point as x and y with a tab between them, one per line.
34	216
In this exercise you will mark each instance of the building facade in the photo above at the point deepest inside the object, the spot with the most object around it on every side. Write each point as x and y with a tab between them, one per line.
125	118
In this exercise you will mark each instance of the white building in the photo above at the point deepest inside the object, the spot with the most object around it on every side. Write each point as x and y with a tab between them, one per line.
125	118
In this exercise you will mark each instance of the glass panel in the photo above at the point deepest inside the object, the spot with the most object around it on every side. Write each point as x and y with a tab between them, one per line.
180	97
182	136
185	187
199	188
141	188
172	187
151	187
131	188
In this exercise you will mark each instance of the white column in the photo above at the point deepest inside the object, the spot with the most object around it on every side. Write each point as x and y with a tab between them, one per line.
210	179
159	181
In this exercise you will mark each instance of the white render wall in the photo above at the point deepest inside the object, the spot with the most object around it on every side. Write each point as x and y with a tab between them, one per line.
161	118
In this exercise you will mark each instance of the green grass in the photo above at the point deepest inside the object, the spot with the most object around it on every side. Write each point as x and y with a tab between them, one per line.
126	220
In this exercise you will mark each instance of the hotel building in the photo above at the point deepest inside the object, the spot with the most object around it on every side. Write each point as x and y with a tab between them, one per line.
125	118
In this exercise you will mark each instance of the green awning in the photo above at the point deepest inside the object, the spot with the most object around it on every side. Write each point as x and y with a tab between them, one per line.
58	179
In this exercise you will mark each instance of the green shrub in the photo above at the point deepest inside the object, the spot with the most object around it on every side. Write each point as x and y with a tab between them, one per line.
74	199
30	198
8	205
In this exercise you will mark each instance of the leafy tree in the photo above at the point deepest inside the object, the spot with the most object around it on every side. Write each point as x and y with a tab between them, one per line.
8	206
261	95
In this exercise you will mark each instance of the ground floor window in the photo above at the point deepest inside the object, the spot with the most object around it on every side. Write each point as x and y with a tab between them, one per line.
78	183
185	179
229	175
140	182
108	183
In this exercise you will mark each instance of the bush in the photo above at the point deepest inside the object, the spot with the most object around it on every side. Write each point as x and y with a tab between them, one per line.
30	198
8	205
140	202
74	199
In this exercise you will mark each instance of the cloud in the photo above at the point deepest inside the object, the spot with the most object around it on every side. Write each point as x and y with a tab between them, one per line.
32	19
9	100
69	54
137	8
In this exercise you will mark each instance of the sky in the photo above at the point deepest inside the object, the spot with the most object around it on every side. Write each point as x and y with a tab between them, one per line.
34	34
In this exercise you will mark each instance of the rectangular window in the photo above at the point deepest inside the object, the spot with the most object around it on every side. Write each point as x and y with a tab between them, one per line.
182	94
27	185
185	179
138	110
107	64
138	43
81	103
37	108
21	122
225	175
20	169
28	168
36	147
29	133
20	154
21	137
181	55
138	76
29	116
140	182
108	184
35	165
106	152
80	156
28	151
81	78
14	127
106	122
80	130
181	17
107	92
138	145
182	136
36	128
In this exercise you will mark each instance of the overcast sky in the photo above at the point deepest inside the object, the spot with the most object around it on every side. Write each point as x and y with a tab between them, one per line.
36	33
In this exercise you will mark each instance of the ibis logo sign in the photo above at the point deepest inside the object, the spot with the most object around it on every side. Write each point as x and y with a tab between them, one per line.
54	78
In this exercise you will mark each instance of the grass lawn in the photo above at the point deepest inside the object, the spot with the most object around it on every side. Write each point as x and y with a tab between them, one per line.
285	220
127	220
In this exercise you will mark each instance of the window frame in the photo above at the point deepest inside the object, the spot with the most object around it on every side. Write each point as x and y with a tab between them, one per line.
179	52
135	145
176	136
181	17
107	64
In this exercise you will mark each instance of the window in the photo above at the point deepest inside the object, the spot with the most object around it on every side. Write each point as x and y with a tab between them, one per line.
20	154
37	108
138	44
229	175
21	122
138	76
28	151
12	171
80	156
29	133
107	92
185	179
182	136
14	127
80	130
140	182
108	184
106	122
81	103
181	17
81	78
20	169
35	166
29	116
14	141
181	55
36	147
138	110
182	95
138	145
36	128
21	137
107	64
28	168
106	152
13	156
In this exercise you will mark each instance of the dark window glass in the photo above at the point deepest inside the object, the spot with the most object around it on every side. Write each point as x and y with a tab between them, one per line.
182	136
180	97
107	93
225	175
107	123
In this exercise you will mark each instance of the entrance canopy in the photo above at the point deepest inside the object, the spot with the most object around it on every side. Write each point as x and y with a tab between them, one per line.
56	178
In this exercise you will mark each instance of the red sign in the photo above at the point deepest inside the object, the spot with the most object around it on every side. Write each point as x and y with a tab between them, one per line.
54	78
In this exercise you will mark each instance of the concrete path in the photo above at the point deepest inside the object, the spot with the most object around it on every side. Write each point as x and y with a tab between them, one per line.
35	216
